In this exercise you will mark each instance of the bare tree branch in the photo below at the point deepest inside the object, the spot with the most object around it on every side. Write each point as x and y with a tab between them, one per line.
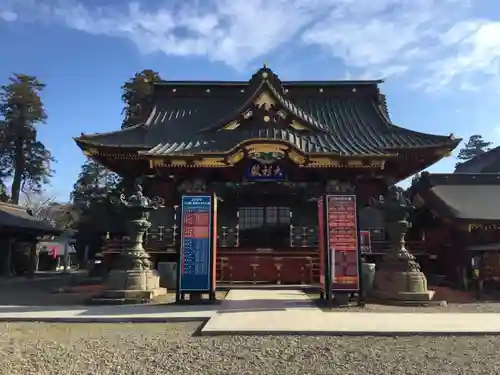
45	208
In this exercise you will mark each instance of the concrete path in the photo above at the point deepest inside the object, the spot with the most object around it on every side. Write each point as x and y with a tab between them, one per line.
256	312
246	300
260	312
107	314
317	322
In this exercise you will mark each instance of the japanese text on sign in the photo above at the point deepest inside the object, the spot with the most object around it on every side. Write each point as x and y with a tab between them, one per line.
343	241
196	243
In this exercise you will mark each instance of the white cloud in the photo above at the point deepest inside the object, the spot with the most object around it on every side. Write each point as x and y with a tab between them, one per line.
438	43
8	16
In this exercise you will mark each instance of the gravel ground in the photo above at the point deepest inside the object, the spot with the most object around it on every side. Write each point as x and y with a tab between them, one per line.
31	348
483	307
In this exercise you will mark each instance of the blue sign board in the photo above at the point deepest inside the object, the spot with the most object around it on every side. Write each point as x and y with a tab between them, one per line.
196	246
265	172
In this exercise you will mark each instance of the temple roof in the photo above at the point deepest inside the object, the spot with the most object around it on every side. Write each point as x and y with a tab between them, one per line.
489	162
17	218
461	196
339	117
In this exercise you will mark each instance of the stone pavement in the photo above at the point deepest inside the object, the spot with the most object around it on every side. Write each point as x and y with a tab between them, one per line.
107	314
293	312
268	312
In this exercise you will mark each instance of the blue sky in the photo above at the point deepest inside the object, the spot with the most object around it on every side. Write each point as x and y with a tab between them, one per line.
440	58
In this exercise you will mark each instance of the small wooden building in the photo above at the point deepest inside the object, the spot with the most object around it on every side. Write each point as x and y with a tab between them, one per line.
268	148
18	227
460	220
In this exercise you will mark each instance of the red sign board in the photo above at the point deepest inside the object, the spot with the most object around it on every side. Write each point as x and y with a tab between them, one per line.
365	242
342	237
321	231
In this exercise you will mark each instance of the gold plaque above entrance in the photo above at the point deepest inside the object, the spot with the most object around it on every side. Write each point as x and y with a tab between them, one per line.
277	148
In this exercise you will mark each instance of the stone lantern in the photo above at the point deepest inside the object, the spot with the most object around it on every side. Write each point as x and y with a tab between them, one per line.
133	279
398	276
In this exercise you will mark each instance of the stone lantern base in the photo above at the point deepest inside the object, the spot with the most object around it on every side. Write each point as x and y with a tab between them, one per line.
407	286
130	287
398	277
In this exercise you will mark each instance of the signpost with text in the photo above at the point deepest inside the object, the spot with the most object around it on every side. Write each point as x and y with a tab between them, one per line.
339	245
197	256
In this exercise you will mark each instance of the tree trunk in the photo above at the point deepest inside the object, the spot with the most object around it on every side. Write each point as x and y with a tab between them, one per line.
19	166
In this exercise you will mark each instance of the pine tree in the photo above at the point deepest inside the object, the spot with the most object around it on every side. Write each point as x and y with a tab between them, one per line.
136	93
22	156
94	184
474	147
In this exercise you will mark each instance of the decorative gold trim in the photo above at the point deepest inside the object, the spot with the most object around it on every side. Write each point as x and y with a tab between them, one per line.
154	163
298	126
322	162
264	145
232	125
267	147
356	163
94	152
202	163
91	151
210	162
178	162
266	100
236	157
296	158
377	164
443	152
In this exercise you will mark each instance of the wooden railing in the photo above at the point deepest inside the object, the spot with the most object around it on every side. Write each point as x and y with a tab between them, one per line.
115	245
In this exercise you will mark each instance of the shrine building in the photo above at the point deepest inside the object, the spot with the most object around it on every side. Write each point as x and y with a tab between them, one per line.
268	149
459	218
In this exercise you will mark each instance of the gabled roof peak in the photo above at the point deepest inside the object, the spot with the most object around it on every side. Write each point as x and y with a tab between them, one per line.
267	96
265	74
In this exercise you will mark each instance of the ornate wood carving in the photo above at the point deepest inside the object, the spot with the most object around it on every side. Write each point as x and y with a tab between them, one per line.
265	100
266	147
210	162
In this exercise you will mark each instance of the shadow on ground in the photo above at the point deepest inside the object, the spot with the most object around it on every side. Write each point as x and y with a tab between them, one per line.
39	291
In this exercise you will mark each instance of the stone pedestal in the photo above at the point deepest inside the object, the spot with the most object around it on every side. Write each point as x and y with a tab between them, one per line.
401	286
133	279
124	286
398	277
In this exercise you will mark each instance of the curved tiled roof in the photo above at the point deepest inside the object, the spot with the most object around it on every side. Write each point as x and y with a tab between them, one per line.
463	196
17	218
487	162
349	123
